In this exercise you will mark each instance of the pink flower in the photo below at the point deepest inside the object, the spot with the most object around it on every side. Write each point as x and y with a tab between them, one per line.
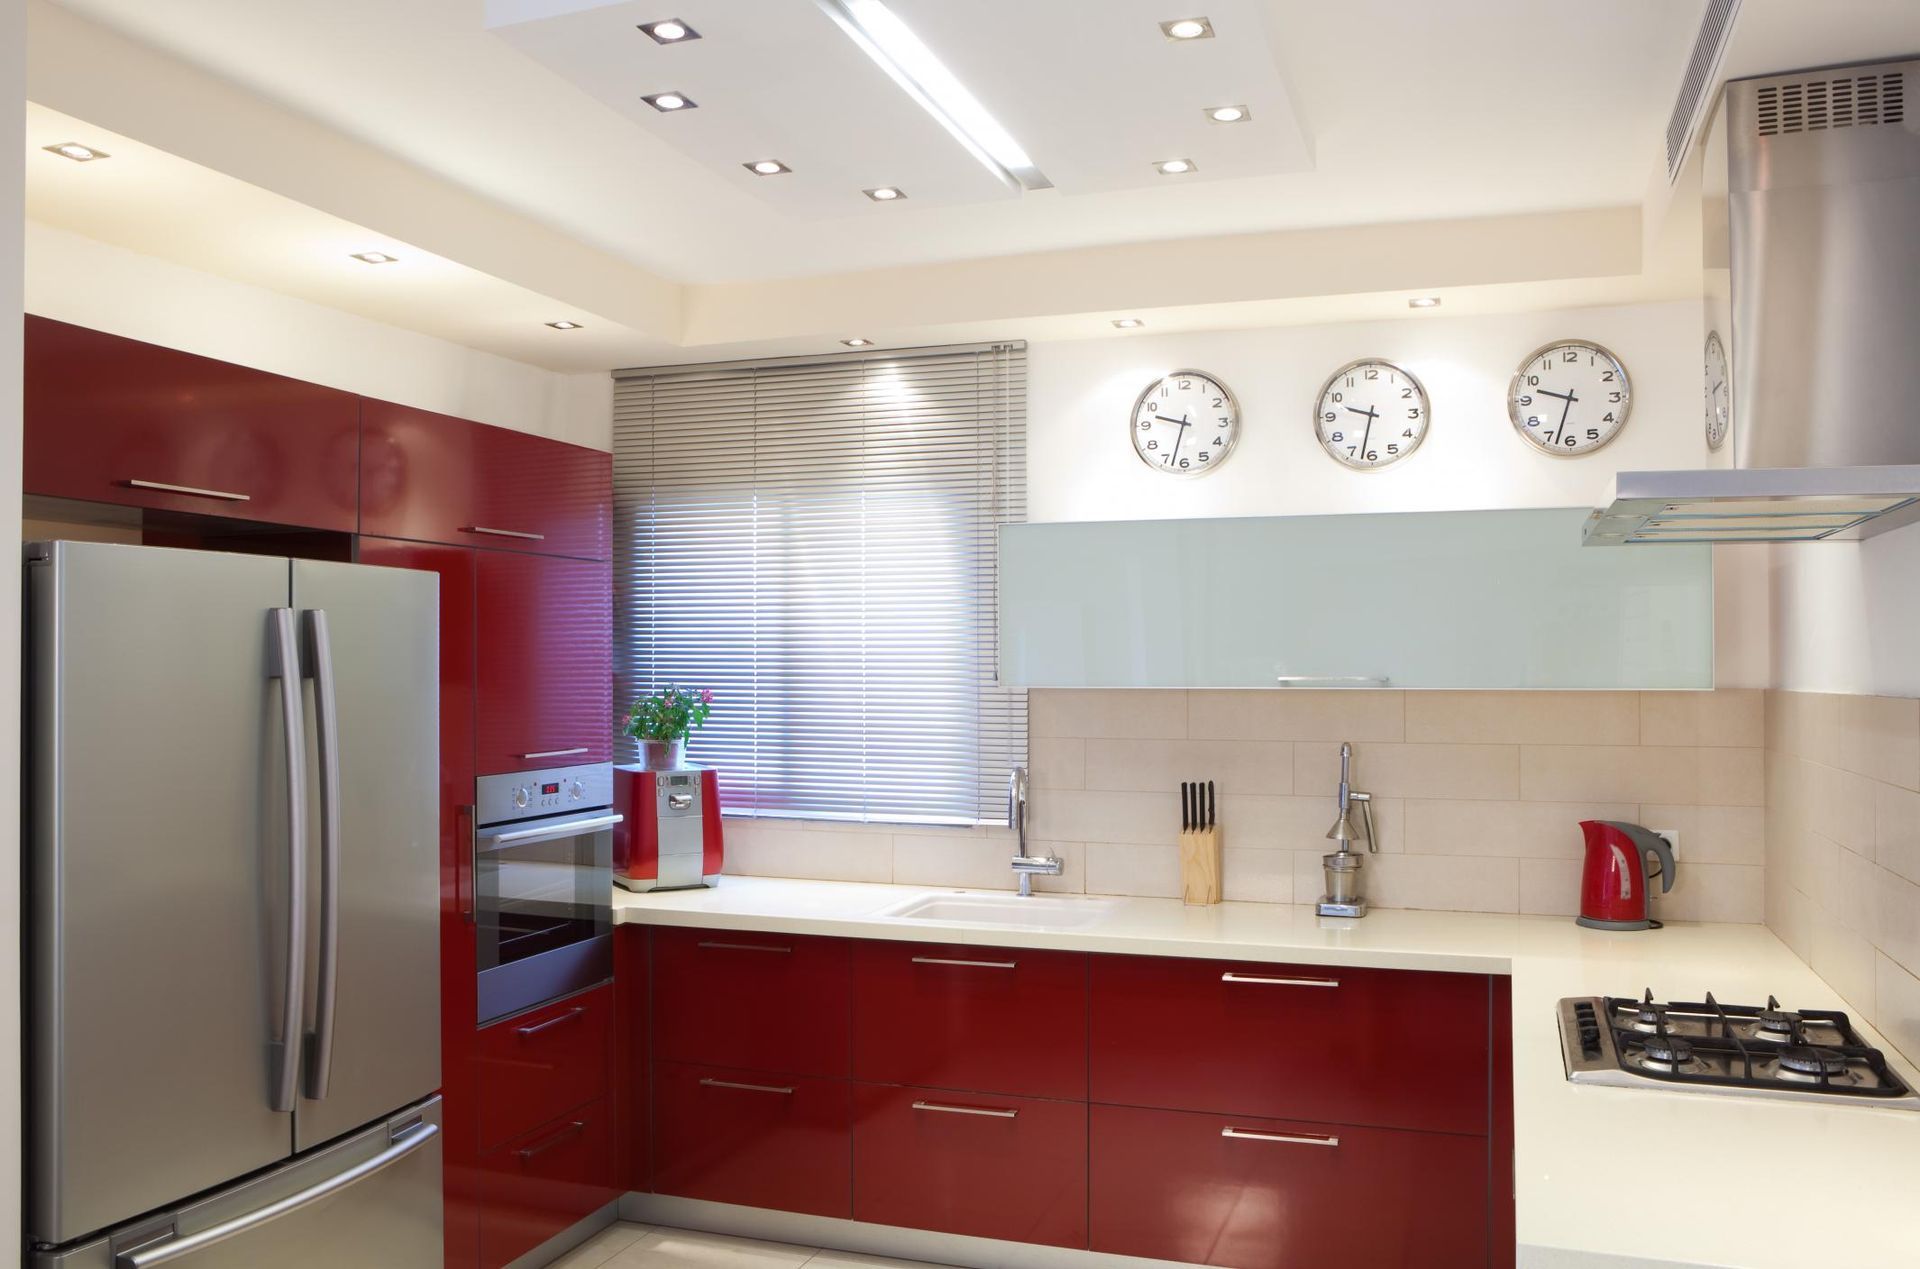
706	696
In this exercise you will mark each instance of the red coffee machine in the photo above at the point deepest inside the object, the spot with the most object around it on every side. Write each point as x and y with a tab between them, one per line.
1613	885
670	836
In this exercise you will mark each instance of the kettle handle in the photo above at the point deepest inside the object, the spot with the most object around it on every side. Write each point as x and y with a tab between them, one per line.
1647	841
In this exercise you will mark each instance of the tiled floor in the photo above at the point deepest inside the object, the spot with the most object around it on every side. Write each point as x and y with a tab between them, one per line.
627	1246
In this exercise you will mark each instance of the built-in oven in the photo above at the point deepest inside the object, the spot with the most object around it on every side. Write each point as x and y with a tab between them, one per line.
542	885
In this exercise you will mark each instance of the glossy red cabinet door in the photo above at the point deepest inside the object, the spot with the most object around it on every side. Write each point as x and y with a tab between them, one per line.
545	662
110	419
1010	1020
1326	1043
751	1137
959	1163
633	1056
436	478
764	1002
1283	1195
539	1064
539	1184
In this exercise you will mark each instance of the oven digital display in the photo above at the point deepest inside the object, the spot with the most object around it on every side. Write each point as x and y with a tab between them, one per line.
548	790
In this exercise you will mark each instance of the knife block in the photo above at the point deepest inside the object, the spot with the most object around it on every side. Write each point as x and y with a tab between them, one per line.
1200	865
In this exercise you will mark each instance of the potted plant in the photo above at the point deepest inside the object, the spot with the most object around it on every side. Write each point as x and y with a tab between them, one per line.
662	721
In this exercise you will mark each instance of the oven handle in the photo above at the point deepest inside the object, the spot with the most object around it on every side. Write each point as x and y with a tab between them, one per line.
547	832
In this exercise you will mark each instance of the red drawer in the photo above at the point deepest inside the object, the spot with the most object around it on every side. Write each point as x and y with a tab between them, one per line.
764	1002
989	1166
1010	1020
754	1138
539	1184
1389	1048
543	1063
1169	1184
633	1049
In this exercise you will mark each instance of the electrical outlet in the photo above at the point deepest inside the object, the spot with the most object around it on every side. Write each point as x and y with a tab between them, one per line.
1673	840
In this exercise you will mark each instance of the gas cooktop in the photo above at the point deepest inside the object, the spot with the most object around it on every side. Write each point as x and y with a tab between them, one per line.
1807	1054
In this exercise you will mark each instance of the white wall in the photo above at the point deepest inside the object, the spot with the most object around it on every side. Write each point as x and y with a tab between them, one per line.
13	75
81	280
1846	615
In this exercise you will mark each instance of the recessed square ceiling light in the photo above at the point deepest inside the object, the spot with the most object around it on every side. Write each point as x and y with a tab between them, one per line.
375	257
669	31
1424	301
1175	167
1229	114
767	167
564	325
858	343
1128	323
77	152
1187	29
885	194
667	103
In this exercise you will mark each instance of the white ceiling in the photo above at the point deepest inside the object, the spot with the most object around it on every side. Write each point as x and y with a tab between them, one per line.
1413	110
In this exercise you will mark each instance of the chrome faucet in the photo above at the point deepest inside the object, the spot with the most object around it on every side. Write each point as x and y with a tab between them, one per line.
1025	866
1342	868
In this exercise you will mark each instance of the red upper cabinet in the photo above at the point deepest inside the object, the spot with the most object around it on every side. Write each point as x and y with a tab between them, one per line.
110	419
436	478
545	661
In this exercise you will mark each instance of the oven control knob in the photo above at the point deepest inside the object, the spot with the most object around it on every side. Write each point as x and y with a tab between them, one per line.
578	791
521	796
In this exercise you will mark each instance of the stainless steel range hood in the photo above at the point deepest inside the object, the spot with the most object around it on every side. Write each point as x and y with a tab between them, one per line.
1813	286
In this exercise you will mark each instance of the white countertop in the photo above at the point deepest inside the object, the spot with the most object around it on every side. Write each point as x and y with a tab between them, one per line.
1605	1177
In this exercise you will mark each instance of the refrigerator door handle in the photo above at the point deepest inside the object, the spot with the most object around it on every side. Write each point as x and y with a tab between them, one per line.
285	1050
154	1254
327	729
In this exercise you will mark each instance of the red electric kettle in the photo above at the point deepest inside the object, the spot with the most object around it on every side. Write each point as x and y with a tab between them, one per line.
1613	885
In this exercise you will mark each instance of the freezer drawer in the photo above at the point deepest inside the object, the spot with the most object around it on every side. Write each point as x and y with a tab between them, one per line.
369	1199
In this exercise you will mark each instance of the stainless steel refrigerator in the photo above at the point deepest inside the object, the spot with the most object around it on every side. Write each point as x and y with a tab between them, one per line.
233	887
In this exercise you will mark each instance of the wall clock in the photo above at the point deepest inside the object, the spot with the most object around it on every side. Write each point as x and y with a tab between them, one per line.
1185	423
1719	403
1371	413
1569	398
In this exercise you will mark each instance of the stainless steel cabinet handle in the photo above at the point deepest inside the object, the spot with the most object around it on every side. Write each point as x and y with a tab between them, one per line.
160	1253
1267	981
503	533
547	832
988	1111
285	1049
568	1133
1297	680
1292	1139
326	725
942	960
558	753
785	1090
473	863
189	490
743	947
551	1023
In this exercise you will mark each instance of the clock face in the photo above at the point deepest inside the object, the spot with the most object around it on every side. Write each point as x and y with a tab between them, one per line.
1719	403
1185	423
1371	413
1569	398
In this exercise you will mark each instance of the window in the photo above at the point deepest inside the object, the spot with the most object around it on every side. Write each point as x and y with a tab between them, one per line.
814	540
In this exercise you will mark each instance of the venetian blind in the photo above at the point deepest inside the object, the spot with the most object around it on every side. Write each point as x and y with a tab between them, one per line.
815	541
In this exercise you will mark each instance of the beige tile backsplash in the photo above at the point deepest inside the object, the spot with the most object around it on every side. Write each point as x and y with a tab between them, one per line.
1478	797
1843	848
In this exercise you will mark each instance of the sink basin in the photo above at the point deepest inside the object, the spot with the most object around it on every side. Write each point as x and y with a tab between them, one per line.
1049	912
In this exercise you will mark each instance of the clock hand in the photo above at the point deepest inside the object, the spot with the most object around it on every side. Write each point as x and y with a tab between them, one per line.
1570	399
1179	436
1564	396
1371	416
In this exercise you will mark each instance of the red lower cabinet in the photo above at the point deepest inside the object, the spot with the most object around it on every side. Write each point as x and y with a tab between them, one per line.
978	1164
536	1065
751	1000
1277	1194
753	1138
540	1183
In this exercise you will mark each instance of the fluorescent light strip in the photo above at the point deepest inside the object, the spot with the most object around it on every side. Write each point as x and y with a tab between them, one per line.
894	47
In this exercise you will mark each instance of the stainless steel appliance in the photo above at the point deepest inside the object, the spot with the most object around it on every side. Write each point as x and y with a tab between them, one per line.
232	911
1804	1055
1810	198
1342	868
542	884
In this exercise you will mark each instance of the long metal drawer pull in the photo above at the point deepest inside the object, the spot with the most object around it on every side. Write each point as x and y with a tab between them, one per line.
568	1133
162	487
1269	981
503	533
558	753
942	960
473	860
551	1023
987	1111
326	716
172	1249
286	1047
1292	1139
743	947
1295	680
546	831
785	1090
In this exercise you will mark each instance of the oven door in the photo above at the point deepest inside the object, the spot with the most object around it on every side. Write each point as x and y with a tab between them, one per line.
543	905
